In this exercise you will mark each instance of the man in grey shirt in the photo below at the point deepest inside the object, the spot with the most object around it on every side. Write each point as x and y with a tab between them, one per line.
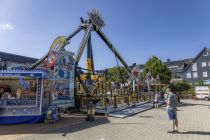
172	102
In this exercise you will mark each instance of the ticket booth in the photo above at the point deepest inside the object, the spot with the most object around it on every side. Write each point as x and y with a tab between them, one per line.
22	96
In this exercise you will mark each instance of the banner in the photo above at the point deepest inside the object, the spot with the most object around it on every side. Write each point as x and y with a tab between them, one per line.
23	83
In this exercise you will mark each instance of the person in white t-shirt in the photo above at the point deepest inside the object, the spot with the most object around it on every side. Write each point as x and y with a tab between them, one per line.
156	101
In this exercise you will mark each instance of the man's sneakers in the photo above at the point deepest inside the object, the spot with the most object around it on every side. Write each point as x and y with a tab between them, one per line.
176	131
173	131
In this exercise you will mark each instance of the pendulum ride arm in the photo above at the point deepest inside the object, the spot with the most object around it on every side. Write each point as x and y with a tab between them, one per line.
74	33
34	65
89	59
83	43
46	55
111	47
80	51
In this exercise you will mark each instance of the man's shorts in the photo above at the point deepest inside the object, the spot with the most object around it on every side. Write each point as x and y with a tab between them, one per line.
172	114
156	102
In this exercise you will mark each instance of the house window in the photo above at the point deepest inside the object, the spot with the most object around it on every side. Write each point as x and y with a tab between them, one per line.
209	63
203	64
195	75
205	74
205	53
189	75
194	67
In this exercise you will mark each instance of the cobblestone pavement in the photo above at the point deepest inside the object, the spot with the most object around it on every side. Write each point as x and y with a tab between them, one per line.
194	124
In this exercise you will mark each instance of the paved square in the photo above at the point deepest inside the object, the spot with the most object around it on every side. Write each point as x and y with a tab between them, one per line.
194	124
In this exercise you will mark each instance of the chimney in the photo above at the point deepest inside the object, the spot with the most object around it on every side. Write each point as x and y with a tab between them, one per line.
168	60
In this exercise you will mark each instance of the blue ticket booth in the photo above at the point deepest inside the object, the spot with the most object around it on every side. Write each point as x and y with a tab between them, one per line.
22	96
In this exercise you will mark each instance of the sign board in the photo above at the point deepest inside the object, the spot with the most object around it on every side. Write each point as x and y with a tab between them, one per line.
202	91
52	113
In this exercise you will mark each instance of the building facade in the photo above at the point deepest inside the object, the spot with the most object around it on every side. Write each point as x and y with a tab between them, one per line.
177	67
193	70
199	69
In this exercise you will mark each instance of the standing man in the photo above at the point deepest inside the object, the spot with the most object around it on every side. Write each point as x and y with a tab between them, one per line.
172	102
156	102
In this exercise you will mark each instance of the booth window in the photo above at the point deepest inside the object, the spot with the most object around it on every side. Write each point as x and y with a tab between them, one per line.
16	91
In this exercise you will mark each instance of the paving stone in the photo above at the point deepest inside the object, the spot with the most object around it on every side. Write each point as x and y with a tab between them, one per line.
193	116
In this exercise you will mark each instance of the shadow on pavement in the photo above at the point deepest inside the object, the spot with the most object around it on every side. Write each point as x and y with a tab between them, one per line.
145	116
184	104
196	132
75	128
122	123
78	127
67	124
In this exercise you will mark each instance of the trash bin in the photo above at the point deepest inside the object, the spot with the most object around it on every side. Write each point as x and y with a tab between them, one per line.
90	112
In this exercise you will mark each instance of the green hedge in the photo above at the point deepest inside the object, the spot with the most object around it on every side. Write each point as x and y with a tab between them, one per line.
191	91
180	86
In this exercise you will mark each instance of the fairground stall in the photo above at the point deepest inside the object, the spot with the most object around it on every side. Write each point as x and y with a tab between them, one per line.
21	96
25	95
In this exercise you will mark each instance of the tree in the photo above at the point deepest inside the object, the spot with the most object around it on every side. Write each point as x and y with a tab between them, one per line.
115	76
201	83
165	75
156	67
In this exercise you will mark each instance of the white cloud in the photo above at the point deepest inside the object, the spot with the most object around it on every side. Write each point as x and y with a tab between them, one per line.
6	27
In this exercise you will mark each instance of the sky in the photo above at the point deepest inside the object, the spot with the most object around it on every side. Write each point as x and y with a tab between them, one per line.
138	29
